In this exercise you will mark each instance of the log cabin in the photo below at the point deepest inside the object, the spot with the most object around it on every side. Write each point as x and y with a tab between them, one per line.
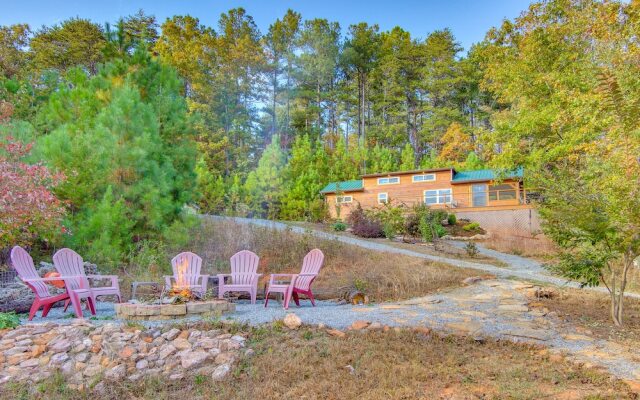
456	191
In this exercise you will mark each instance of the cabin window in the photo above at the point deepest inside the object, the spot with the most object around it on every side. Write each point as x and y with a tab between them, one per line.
423	178
383	198
344	199
389	181
502	192
438	196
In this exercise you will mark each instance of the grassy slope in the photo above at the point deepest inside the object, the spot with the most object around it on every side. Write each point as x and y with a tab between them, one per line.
385	276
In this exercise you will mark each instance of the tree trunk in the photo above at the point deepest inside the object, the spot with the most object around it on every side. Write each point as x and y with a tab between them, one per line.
275	93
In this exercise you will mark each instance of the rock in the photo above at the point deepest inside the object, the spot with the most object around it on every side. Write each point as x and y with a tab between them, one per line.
32	362
165	351
336	333
422	330
59	358
225	358
100	388
292	321
238	338
92	370
376	326
208	343
360	324
172	334
16	350
142	364
528	333
471	280
181	344
176	377
193	359
249	353
126	352
221	372
116	373
60	346
513	308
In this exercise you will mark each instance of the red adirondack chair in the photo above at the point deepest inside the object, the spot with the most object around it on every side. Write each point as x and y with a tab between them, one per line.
70	264
23	264
244	265
298	283
186	273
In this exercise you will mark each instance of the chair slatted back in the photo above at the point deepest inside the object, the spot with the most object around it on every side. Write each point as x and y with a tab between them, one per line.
244	267
23	264
186	268
70	263
310	265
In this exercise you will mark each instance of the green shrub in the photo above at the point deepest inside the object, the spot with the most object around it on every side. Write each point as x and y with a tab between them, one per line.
430	230
391	217
474	226
339	226
452	219
389	230
9	320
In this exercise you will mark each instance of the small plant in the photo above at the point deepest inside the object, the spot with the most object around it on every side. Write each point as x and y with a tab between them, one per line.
339	226
472	227
360	284
364	225
471	249
9	320
389	230
452	219
307	335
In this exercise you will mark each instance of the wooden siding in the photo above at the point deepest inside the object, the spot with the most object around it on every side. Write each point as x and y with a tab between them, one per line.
409	193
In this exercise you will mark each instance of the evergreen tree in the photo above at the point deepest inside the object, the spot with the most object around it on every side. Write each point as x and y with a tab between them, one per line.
122	137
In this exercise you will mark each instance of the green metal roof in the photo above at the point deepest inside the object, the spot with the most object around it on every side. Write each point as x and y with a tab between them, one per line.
484	175
346	186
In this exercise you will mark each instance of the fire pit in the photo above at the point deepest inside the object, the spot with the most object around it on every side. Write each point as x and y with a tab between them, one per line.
178	301
203	308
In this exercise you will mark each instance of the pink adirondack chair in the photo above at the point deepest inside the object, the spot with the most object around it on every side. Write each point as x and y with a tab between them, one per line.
23	264
70	264
244	276
186	273
298	283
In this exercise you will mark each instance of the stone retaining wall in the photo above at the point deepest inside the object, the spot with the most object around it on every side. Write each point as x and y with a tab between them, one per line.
144	312
87	354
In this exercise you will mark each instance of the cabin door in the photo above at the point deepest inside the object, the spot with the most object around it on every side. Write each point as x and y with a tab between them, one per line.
479	195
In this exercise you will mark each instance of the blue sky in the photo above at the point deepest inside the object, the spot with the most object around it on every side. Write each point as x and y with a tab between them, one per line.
468	19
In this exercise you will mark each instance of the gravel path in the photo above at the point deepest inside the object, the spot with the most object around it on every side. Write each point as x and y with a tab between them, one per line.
516	266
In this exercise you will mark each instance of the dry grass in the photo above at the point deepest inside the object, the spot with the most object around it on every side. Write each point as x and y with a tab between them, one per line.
538	247
384	276
309	364
590	311
443	249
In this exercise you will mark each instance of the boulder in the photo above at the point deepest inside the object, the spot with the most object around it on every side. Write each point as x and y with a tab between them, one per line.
292	321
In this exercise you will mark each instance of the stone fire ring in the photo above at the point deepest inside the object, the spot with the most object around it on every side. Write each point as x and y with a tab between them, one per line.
154	312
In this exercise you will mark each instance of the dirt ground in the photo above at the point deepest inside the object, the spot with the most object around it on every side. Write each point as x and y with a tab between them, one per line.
590	312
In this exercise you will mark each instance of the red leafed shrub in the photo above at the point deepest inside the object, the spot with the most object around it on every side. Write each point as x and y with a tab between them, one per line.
363	225
29	211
